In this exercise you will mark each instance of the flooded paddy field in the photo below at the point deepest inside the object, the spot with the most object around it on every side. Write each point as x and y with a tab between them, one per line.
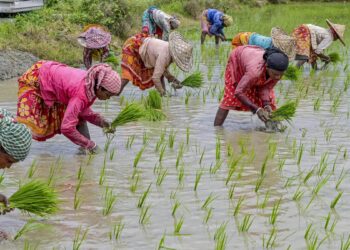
183	184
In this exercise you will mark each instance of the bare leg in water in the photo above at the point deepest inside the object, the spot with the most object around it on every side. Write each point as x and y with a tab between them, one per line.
220	118
83	129
124	83
217	39
203	37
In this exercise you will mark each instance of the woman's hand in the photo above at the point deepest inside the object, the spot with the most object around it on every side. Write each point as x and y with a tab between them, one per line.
95	150
268	109
176	84
263	114
107	128
4	200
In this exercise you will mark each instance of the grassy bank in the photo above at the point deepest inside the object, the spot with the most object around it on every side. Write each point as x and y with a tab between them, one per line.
50	33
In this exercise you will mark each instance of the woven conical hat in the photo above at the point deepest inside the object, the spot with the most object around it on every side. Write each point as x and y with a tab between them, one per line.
339	29
181	51
286	43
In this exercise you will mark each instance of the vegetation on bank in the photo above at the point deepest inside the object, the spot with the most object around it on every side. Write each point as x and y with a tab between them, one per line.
50	33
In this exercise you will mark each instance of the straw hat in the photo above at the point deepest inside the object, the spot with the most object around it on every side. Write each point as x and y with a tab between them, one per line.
286	43
94	38
180	51
339	29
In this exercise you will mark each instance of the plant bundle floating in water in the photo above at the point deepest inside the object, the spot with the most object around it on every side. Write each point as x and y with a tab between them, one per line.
335	57
35	197
292	73
132	112
284	113
194	80
153	106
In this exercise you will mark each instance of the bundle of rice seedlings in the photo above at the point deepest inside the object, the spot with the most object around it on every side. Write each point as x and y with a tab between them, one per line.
153	106
284	113
153	100
35	197
193	81
112	59
292	73
131	112
335	57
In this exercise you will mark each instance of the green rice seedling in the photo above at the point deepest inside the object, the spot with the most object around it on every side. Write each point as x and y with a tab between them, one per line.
317	104
161	154
130	141
179	155
135	182
175	207
131	112
178	225
308	176
187	135
289	181
335	57
79	238
181	175
284	113
32	169
313	242
199	174
220	237
303	133
300	154
138	157
35	197
341	178
216	167
161	176
171	140
266	199
143	197
108	142
229	150
30	226
294	148
145	138
208	201
327	223
208	215
188	94
204	97
90	158
263	167
345	154
218	149
29	246
345	244
292	73
258	183
232	168
117	231
328	132
77	200
298	194
275	212
246	223
313	147
336	199
112	154
231	192
238	205
202	155
144	215
2	177
195	80
161	245
103	172
281	164
109	201
323	164
271	241
320	184
272	149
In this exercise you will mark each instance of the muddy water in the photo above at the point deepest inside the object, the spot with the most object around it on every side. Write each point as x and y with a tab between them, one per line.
329	131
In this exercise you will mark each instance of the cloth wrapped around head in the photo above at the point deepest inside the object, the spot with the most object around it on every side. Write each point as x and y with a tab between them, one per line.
174	22
276	59
102	75
15	138
227	20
